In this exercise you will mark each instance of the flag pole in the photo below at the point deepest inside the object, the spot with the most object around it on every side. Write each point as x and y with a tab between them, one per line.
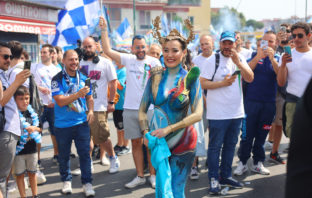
134	26
101	5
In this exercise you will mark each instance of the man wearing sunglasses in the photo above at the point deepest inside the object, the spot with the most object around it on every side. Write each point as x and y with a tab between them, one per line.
11	132
138	69
296	68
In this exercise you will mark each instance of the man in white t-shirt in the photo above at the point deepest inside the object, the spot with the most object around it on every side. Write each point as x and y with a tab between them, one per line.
206	45
138	68
240	49
296	69
225	109
103	77
43	73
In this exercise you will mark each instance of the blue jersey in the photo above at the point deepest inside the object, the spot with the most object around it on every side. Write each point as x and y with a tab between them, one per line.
121	76
263	87
74	113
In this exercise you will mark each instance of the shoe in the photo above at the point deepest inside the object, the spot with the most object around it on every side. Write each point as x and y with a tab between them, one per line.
137	181
268	145
277	158
72	155
67	187
114	164
11	187
259	168
88	190
124	151
240	169
117	149
231	182
152	180
214	187
41	179
105	161
55	159
76	172
194	173
39	165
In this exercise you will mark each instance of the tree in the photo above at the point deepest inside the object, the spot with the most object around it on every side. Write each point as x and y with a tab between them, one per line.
255	24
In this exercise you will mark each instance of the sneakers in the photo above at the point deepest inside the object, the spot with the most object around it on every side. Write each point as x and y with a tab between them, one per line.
214	186
117	149
124	151
259	168
268	145
105	161
114	164
240	169
88	190
67	187
152	180
276	158
55	159
137	181
231	182
194	173
41	179
76	172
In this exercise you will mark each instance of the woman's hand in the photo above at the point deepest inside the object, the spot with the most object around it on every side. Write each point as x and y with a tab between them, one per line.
160	132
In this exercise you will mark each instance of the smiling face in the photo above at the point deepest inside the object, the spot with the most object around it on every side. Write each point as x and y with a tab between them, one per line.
173	53
139	48
206	45
5	60
71	62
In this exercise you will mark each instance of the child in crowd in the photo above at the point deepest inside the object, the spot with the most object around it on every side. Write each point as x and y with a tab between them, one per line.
26	150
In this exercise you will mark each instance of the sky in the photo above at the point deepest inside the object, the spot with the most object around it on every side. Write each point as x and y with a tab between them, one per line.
266	9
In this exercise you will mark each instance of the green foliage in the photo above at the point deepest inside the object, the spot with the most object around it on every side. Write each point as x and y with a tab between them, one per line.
255	24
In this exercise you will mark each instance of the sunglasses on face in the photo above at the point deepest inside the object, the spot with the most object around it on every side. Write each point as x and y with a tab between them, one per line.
288	31
299	35
6	56
139	47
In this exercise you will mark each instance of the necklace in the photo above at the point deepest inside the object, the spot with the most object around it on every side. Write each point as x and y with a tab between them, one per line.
35	135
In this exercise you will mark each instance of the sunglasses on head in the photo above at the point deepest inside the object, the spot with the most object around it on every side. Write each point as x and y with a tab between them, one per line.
299	35
6	56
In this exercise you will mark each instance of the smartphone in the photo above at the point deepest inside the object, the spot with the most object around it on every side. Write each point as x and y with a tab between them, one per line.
88	82
237	72
283	29
264	44
27	65
287	49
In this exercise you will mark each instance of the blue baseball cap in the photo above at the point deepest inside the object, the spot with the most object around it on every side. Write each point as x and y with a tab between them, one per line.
228	36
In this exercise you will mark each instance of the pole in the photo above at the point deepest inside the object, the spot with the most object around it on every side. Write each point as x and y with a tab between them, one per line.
306	11
134	24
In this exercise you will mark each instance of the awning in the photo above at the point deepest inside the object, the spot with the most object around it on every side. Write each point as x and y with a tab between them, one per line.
26	26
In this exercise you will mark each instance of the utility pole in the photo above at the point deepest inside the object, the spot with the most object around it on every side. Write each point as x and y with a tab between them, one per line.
306	11
134	24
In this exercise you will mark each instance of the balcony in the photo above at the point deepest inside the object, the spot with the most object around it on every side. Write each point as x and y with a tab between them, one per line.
184	2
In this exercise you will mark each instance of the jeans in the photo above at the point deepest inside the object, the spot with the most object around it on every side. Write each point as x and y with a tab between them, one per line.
48	115
259	117
81	135
222	134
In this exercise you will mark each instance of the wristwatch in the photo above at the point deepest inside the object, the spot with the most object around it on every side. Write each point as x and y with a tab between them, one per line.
111	102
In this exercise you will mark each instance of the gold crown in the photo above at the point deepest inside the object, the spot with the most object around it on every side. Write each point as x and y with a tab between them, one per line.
174	34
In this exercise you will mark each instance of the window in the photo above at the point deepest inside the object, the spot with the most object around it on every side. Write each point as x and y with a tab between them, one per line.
115	17
145	19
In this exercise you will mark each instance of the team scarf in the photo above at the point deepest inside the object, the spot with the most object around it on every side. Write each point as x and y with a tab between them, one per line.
25	135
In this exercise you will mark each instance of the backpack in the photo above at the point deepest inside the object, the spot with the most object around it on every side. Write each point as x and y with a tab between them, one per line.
216	68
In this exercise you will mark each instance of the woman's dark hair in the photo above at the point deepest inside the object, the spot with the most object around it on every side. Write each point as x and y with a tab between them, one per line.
21	91
188	60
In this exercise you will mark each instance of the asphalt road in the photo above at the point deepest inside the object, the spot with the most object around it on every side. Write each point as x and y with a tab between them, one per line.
112	185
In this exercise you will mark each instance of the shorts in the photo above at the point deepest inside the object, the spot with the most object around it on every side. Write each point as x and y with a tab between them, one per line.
25	163
131	123
118	119
279	110
99	127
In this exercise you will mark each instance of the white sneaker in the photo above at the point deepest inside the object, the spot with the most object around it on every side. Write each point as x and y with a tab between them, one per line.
114	164
241	168
76	172
67	187
41	179
152	180
136	182
88	190
268	145
105	161
259	168
12	187
194	173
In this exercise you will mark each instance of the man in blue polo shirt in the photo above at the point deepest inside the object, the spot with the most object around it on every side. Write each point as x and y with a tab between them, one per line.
71	121
259	106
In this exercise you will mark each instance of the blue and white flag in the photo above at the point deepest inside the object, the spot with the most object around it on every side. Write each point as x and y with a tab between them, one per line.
77	21
164	25
125	30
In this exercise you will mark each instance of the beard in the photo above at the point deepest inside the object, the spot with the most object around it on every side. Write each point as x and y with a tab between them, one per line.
88	55
139	57
226	52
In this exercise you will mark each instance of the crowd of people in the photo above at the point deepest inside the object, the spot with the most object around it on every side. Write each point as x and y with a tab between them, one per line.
162	101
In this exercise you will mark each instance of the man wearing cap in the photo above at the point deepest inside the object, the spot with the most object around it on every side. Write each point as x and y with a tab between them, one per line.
225	109
259	106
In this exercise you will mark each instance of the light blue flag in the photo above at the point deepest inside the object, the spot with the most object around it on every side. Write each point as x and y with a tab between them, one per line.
125	30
